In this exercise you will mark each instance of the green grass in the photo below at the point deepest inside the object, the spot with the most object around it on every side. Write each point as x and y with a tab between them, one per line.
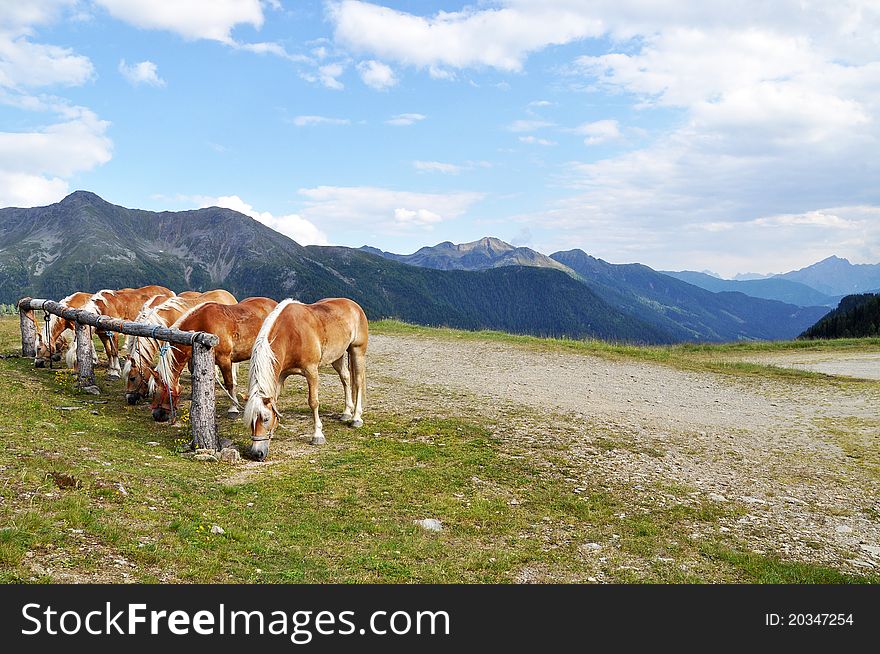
83	497
713	357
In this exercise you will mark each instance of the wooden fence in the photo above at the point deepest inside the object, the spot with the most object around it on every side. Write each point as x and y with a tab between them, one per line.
201	415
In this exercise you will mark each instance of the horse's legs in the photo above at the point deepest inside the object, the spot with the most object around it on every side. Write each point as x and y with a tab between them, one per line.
311	375
228	371
357	361
108	341
341	367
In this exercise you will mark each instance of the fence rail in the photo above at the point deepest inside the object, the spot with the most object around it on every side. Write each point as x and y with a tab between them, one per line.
202	417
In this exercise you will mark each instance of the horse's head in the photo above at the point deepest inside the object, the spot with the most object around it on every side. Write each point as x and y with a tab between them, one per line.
164	398
264	418
137	384
44	352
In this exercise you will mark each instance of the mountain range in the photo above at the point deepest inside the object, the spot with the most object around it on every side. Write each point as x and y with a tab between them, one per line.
86	243
769	288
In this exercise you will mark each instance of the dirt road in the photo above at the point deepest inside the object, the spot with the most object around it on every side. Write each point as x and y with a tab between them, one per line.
801	458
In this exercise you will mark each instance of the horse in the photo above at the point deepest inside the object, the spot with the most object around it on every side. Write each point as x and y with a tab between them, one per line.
295	339
235	325
124	303
142	350
50	343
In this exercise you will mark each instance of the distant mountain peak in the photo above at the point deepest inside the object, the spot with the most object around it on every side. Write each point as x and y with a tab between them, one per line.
833	259
489	243
82	197
482	254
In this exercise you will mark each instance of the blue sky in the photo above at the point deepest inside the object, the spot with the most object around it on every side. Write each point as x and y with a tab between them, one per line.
692	135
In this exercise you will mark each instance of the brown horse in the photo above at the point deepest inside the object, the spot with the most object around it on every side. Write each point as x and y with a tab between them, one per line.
125	303
236	326
50	343
142	350
295	339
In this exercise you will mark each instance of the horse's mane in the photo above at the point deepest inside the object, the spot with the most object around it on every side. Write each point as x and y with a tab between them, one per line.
263	379
144	347
92	305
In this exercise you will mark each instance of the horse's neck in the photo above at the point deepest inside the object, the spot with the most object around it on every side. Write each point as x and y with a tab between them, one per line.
57	328
180	356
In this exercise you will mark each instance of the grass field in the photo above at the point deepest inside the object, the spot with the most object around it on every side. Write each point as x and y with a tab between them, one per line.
98	492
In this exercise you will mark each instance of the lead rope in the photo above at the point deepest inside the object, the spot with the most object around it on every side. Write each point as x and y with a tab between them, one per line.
162	351
48	341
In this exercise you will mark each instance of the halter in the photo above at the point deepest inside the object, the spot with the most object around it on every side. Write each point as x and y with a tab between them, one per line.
268	436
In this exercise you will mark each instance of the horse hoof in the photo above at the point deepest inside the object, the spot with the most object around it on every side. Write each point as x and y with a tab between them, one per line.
357	423
112	376
234	414
318	439
346	417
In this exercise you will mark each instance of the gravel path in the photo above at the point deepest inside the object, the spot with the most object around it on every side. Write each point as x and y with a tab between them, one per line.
862	366
800	458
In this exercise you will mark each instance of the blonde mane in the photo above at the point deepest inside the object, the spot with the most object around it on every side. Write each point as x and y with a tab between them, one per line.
92	304
263	378
142	349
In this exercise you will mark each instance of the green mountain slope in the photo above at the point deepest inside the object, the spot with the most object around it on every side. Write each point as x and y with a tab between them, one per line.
85	243
689	312
856	316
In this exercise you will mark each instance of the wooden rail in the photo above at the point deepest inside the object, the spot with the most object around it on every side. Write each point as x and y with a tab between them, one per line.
202	417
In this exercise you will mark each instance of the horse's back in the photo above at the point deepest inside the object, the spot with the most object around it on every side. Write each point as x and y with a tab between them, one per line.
218	295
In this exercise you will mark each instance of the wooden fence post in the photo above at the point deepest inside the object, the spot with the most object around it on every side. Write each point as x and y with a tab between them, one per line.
84	364
201	413
28	328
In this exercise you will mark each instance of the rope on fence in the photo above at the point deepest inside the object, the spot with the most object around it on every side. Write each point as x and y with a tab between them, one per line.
204	427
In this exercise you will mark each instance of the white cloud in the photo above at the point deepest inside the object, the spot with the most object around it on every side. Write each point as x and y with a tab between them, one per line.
403	120
376	75
23	190
534	140
496	37
18	16
296	227
24	64
388	211
327	76
193	19
599	131
441	73
308	121
437	167
418	218
34	165
144	72
528	125
35	162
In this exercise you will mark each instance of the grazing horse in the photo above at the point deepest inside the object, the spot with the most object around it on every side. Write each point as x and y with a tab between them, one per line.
50	343
142	350
236	326
295	339
125	303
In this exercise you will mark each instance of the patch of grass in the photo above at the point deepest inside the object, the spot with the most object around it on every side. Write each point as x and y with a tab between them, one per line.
763	569
858	437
